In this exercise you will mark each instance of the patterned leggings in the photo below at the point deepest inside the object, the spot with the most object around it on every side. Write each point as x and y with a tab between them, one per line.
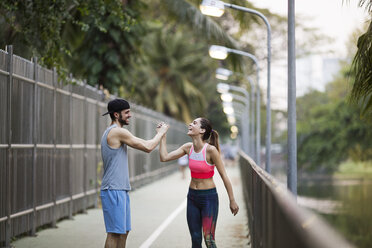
202	212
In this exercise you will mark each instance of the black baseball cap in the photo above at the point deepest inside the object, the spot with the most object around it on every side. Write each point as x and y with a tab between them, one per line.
116	105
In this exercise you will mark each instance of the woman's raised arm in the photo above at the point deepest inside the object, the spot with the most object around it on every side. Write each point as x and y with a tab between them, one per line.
179	152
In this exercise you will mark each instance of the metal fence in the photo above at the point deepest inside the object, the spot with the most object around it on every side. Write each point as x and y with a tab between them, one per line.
275	219
50	163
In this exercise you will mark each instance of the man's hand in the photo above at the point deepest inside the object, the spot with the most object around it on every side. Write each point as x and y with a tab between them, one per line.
162	128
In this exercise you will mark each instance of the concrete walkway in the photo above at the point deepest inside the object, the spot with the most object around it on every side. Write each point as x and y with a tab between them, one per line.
158	219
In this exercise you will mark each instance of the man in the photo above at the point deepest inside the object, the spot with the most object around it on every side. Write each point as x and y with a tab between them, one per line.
115	181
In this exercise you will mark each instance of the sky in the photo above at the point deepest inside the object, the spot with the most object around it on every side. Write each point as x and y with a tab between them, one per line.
335	18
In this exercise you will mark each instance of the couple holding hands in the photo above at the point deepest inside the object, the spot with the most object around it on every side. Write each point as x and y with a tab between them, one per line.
203	155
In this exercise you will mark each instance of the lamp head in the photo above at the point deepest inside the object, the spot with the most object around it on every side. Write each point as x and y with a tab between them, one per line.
228	108
212	8
226	97
231	119
218	52
234	129
223	74
222	88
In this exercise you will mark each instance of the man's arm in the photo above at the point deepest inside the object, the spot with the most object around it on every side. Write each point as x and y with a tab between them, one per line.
128	138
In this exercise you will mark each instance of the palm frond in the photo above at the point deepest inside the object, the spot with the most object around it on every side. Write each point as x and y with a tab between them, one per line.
367	4
188	13
367	106
362	68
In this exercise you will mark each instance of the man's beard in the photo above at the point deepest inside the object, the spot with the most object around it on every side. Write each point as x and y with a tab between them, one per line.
121	121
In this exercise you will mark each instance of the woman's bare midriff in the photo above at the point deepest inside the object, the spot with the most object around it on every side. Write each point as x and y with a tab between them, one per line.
198	183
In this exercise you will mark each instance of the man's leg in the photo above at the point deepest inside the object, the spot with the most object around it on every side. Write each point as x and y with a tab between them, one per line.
115	240
122	240
112	240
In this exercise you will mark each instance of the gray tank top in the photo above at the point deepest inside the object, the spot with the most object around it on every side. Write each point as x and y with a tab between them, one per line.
115	165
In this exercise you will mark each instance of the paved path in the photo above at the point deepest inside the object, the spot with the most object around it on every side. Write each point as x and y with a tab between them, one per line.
158	219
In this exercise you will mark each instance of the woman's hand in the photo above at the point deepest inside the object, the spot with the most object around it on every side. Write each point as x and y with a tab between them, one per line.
162	128
234	207
158	126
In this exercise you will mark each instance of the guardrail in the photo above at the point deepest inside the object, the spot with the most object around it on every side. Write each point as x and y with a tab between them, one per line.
50	162
275	219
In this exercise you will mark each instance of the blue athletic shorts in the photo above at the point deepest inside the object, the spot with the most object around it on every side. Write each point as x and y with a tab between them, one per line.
116	211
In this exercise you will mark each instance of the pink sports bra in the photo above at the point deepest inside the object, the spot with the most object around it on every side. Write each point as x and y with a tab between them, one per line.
198	164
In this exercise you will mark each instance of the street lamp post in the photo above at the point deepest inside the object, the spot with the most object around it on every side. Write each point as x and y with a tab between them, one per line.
216	8
292	138
224	74
220	52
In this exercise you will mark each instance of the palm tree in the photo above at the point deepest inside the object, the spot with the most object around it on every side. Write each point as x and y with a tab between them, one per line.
172	75
184	12
362	68
186	15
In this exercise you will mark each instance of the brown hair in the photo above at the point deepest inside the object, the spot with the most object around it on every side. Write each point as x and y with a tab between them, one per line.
210	134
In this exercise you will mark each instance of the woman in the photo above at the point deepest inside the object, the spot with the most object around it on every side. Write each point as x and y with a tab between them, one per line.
202	199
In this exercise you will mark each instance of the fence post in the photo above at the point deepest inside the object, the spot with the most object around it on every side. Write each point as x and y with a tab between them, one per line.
97	142
70	155
9	50
254	212
85	162
54	169
34	139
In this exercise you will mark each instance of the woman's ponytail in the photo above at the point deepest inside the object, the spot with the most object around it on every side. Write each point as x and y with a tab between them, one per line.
210	134
213	140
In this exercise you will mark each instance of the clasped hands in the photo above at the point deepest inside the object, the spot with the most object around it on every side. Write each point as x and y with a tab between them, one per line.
162	128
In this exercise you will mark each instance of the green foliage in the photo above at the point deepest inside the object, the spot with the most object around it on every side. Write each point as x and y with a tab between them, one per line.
112	35
362	64
185	14
362	68
154	53
34	24
172	74
69	34
359	169
329	129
